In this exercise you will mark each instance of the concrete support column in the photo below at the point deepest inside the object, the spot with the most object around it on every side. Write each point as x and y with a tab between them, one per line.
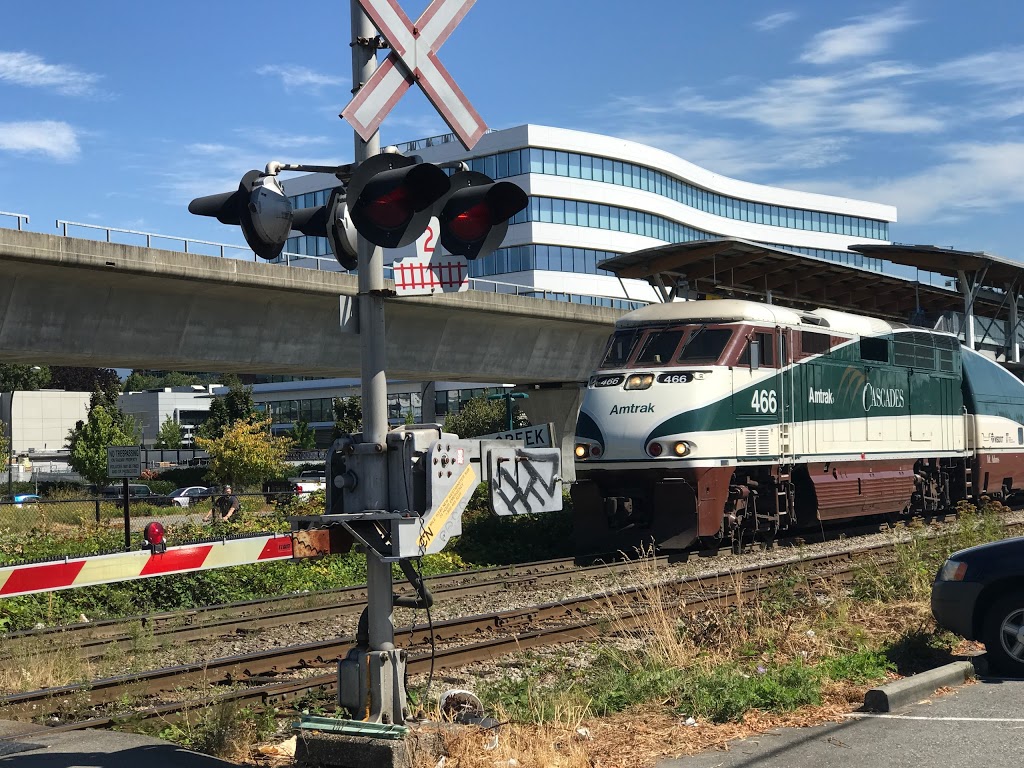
1012	340
968	289
429	400
559	404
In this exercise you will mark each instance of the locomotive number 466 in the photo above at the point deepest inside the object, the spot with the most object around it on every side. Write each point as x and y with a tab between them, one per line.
764	401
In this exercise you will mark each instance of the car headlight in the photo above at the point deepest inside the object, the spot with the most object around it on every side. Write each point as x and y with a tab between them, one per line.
953	570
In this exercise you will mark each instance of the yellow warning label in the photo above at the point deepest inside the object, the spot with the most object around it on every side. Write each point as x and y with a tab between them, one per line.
444	512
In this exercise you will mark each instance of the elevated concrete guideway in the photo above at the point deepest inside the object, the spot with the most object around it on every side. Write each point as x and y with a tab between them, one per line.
71	301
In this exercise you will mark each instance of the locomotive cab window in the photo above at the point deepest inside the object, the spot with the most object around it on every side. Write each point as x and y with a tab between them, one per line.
659	347
704	345
766	351
814	343
620	348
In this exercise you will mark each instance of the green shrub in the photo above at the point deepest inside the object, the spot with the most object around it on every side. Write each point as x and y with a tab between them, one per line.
489	539
725	693
862	666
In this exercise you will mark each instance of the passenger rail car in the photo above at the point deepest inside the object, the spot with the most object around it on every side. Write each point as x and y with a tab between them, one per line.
715	420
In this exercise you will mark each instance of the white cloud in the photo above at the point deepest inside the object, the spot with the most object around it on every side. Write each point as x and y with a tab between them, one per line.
994	69
281	140
48	137
210	168
975	178
742	157
864	36
294	76
27	69
863	100
775	20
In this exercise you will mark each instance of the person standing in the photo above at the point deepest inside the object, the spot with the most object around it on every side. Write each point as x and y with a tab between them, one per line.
226	504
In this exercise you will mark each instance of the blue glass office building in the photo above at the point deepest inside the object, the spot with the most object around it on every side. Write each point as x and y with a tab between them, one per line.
594	197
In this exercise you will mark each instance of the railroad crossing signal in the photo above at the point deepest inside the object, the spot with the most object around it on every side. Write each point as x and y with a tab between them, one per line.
474	215
390	199
413	58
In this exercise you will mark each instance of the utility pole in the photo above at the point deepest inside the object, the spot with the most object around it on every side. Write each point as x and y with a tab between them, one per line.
508	396
379	585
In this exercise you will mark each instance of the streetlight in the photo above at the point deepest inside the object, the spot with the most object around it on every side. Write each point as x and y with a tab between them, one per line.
508	396
10	452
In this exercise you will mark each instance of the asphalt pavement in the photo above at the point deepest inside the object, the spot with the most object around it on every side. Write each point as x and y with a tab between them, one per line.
94	749
981	724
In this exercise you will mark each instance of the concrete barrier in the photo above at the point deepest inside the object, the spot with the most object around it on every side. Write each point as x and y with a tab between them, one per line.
911	689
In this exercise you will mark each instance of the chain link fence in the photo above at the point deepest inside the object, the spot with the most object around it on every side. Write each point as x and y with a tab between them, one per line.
32	527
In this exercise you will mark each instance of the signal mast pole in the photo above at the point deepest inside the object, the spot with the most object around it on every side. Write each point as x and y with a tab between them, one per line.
380	611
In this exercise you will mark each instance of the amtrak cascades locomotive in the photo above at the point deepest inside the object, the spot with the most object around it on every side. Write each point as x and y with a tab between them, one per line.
714	420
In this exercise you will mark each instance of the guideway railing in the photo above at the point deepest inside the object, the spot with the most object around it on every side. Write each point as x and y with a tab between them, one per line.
304	261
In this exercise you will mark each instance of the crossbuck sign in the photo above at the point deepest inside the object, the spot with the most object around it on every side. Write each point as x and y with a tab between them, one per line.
413	58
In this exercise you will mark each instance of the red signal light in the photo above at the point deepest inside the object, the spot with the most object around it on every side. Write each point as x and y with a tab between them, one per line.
473	223
655	449
154	536
391	210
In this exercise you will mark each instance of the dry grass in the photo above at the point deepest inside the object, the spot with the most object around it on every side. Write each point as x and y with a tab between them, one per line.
794	620
29	664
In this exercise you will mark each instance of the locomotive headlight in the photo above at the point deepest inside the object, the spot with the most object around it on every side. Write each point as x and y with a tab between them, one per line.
680	448
639	381
582	451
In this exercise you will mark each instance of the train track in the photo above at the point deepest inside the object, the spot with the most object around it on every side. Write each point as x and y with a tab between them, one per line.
463	640
257	677
93	640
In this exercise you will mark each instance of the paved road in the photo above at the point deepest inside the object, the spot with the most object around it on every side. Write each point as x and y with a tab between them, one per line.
980	724
94	749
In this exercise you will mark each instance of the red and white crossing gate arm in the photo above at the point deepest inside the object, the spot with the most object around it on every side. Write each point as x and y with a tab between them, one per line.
126	566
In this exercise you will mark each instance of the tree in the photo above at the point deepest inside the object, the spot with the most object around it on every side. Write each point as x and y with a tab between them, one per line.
140	379
5	444
303	436
72	379
246	453
89	439
21	378
169	435
225	411
481	416
348	415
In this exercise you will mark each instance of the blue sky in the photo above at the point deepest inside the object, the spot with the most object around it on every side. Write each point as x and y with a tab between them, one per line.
118	113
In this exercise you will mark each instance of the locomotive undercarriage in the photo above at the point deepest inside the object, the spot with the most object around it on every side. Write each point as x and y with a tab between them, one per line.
730	506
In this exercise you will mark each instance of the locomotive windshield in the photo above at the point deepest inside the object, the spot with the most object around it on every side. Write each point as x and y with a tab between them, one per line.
620	348
659	347
666	346
704	345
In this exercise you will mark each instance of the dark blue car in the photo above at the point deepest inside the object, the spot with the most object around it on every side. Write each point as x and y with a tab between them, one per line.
979	593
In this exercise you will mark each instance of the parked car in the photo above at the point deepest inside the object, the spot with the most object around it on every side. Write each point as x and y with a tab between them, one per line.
302	486
182	497
136	491
979	593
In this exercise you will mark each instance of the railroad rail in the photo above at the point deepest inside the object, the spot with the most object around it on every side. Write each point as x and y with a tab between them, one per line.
502	632
256	677
93	638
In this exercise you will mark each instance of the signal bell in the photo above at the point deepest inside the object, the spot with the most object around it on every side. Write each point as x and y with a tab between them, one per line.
259	206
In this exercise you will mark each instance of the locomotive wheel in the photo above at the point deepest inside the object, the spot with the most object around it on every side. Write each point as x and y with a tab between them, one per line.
1003	634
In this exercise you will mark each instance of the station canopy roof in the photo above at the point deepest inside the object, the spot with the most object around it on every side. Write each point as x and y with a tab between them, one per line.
984	269
743	268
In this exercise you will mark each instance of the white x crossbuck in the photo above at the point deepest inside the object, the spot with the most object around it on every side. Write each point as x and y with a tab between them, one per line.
413	58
